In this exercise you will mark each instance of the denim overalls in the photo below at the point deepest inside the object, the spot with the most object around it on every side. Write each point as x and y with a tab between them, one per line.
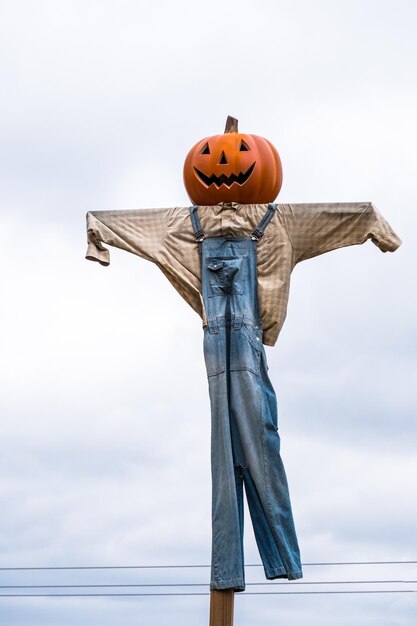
244	443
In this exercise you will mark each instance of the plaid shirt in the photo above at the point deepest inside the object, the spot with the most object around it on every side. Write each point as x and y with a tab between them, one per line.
296	232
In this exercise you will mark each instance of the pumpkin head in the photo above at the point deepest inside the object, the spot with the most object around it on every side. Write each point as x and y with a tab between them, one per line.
233	167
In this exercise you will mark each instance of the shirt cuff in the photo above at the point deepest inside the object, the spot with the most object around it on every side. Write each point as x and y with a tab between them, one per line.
388	245
382	235
96	251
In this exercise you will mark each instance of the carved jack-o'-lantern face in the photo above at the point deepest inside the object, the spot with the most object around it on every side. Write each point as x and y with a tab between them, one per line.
233	167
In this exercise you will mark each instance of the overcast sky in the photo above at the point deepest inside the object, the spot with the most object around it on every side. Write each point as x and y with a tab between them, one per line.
104	405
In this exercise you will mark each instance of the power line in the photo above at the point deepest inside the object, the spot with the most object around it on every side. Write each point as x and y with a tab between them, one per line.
359	563
125	594
120	567
146	585
249	593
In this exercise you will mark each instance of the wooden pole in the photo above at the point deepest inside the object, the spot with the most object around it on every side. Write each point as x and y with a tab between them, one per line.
221	607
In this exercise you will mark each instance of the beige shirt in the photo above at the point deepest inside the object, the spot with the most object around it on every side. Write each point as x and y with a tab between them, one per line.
295	233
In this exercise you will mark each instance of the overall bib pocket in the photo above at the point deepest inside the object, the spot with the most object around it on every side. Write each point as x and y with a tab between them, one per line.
226	275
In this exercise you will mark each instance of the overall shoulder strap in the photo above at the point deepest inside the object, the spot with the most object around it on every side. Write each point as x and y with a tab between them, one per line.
196	224
258	233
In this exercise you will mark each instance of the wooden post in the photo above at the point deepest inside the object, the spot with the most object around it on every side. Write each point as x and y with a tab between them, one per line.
221	607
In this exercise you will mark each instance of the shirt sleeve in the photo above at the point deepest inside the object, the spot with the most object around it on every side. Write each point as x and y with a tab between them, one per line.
140	231
317	228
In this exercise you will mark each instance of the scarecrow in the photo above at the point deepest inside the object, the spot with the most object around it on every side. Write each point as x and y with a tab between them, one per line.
230	256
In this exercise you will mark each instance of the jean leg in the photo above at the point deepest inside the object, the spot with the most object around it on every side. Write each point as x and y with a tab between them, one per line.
255	435
227	570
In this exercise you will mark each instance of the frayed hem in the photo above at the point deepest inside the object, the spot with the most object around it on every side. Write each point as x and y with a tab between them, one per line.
237	584
280	573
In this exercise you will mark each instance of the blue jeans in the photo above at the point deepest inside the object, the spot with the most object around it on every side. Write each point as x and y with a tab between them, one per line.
245	445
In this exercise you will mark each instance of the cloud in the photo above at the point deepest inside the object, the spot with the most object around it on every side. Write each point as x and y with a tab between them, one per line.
104	404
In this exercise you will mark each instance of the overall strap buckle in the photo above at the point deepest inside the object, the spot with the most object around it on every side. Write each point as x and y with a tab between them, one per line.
258	232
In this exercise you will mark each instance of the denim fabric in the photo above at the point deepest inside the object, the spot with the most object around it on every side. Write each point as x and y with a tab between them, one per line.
245	443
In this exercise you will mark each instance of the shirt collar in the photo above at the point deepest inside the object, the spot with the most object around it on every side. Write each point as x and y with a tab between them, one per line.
226	205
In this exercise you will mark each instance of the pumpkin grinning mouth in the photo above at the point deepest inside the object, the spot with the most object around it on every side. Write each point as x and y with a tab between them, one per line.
239	179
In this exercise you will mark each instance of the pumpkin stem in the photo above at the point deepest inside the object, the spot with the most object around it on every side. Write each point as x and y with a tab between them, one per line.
231	125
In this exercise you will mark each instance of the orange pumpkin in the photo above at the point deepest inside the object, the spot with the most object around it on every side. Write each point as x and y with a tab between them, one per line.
233	167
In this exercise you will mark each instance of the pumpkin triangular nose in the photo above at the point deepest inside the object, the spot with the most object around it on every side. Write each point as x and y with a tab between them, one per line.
223	160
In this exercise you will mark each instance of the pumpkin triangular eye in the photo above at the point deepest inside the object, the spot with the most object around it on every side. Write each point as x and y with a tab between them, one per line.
205	149
243	146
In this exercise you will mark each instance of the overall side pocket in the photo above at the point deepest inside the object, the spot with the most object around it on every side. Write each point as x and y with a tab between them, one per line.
245	350
214	354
